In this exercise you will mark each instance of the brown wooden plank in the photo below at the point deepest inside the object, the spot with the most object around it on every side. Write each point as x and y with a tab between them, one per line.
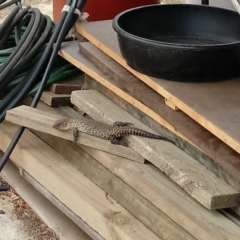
202	102
55	100
189	174
153	105
42	121
72	188
67	86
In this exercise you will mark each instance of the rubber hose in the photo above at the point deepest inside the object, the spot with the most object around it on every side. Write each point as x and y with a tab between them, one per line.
57	35
19	50
23	43
9	4
9	19
33	51
10	28
17	94
2	1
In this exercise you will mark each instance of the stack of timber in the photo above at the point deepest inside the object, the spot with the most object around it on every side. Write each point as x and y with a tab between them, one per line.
152	189
109	192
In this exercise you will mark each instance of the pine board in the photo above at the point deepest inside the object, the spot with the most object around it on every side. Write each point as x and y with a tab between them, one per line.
76	191
189	174
161	192
42	121
232	167
218	151
202	102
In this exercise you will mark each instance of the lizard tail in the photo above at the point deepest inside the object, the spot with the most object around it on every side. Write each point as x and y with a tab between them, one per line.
142	133
61	124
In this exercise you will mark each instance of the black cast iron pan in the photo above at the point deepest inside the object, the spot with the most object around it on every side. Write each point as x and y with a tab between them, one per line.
181	42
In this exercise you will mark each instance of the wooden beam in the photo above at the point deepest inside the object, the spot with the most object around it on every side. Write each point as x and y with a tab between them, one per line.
67	86
224	157
131	200
197	101
213	166
41	121
55	100
73	189
192	176
54	218
161	192
70	54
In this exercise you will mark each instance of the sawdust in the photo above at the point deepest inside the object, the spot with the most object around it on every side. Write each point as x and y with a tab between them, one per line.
29	223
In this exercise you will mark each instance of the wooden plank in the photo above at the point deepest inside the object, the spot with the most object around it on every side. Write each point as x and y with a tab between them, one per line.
213	166
55	219
152	105
55	100
77	192
71	215
131	200
171	105
67	86
42	121
154	186
202	102
192	176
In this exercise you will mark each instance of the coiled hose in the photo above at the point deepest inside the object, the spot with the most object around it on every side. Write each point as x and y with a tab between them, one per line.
51	39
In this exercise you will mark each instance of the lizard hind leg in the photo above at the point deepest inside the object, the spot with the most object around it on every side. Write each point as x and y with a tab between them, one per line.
75	135
118	141
122	124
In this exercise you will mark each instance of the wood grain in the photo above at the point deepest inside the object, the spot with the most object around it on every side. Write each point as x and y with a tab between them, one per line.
202	102
43	121
213	166
67	86
152	104
131	200
55	100
189	174
141	208
159	191
76	191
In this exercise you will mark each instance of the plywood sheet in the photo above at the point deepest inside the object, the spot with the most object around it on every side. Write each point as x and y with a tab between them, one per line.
213	105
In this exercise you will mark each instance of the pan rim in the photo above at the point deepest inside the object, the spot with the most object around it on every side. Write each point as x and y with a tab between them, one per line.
124	33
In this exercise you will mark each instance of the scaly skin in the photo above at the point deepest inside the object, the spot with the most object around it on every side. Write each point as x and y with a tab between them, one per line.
102	130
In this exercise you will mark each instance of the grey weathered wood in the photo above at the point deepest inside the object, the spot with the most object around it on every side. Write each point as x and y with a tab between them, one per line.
193	177
42	121
72	188
54	215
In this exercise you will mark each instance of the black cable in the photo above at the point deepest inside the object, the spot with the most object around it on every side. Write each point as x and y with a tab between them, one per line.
12	2
8	19
13	24
2	1
61	27
21	47
18	93
33	50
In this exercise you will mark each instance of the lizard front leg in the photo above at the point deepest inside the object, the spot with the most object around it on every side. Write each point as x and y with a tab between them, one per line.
122	124
118	141
75	135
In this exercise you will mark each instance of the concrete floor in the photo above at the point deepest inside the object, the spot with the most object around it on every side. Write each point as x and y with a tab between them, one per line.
10	226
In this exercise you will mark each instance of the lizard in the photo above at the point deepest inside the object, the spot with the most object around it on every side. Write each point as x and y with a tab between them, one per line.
113	133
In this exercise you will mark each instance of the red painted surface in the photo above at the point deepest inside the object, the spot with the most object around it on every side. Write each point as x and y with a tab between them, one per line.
102	9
